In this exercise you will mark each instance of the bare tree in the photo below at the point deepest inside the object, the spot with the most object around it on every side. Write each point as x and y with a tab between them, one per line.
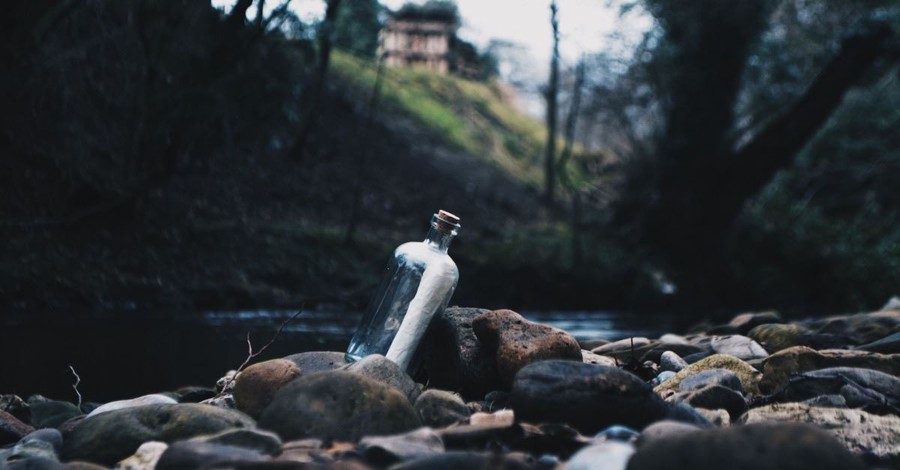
565	179
313	93
551	96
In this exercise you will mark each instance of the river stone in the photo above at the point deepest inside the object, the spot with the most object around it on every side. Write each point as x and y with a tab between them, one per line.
31	449
747	321
257	440
747	374
338	405
684	413
500	419
738	346
860	432
152	399
455	460
50	435
36	463
622	345
723	377
455	359
756	446
586	396
779	367
588	357
663	429
439	408
11	429
862	328
385	450
112	436
777	336
258	383
714	397
827	401
194	393
318	361
589	344
377	367
16	406
887	345
145	457
518	342
669	361
51	413
610	455
194	454
880	387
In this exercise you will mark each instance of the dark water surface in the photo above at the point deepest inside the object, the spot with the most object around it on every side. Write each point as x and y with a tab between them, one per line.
129	353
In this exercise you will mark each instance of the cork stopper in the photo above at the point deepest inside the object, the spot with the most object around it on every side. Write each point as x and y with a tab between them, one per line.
446	222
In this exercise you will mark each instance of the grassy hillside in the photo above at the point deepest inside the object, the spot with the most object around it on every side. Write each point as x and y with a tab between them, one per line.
475	116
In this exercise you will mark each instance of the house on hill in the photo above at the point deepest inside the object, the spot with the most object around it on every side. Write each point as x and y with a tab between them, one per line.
420	35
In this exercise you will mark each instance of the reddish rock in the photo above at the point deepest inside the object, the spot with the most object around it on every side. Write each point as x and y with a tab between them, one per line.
11	429
257	384
517	342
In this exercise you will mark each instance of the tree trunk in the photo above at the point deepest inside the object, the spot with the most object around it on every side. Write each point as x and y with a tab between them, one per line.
552	92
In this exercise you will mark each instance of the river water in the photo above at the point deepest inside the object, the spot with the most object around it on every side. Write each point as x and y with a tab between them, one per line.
129	353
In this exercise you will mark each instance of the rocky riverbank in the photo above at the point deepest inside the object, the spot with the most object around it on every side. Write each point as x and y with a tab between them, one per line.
498	391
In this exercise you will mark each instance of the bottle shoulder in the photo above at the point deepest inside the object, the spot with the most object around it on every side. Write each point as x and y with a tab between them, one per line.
423	254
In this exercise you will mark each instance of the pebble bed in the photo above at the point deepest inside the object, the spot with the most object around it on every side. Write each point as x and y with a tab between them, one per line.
495	390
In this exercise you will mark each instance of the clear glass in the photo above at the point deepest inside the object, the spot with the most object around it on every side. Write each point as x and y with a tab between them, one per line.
418	282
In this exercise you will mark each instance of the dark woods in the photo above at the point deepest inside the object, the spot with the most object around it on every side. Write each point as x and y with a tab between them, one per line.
746	153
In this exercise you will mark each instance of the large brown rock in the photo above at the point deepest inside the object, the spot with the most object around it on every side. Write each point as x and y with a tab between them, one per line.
779	367
256	385
517	342
455	358
756	446
11	429
586	396
338	405
860	432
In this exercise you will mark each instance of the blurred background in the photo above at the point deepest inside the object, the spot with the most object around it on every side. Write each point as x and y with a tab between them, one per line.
692	158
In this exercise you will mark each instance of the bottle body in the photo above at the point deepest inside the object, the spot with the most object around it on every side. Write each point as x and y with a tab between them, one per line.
418	282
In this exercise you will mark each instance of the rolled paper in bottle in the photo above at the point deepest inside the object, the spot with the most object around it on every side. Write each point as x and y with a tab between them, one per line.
432	292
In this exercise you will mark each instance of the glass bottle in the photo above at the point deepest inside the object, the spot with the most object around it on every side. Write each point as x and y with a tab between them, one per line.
419	279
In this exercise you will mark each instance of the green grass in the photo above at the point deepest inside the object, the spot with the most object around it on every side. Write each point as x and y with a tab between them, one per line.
474	116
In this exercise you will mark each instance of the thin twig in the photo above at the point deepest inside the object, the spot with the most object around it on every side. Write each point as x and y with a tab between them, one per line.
251	354
75	385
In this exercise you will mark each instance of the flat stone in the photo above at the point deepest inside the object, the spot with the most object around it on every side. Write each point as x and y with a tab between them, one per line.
862	433
622	345
748	375
663	429
439	408
588	357
502	418
256	385
145	457
517	342
779	367
318	361
386	450
31	449
152	399
755	446
193	454
877	387
723	377
586	396
888	345
338	405
610	455
862	328
381	369
745	322
257	440
738	346
50	435
112	436
455	359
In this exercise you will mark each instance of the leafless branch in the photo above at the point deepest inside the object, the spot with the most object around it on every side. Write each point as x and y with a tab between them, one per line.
251	355
75	385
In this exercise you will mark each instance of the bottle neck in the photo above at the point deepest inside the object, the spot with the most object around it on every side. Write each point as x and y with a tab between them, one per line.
439	239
